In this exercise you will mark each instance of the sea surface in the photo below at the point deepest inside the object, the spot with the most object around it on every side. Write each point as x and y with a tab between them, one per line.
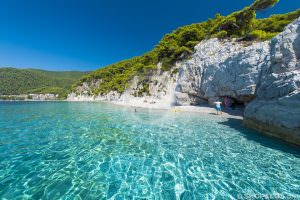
65	150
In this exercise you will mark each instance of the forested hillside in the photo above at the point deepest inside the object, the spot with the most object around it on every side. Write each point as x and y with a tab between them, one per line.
23	81
178	45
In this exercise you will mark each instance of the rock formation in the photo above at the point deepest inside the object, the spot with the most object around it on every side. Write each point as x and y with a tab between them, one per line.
266	75
276	109
221	68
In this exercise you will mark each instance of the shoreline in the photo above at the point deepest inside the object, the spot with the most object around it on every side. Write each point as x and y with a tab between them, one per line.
202	109
29	100
237	113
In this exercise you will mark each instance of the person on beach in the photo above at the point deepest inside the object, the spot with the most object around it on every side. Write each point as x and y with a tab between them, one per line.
218	107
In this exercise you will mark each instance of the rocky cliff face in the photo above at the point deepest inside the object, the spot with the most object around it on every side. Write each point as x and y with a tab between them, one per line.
157	93
276	109
265	76
222	68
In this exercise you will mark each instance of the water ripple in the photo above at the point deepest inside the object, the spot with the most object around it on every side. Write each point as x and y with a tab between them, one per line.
67	150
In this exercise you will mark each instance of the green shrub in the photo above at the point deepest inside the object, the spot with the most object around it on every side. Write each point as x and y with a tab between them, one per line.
262	35
144	89
263	4
191	44
190	34
220	35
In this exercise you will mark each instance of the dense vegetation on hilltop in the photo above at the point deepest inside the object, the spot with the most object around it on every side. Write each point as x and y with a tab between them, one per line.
179	44
24	81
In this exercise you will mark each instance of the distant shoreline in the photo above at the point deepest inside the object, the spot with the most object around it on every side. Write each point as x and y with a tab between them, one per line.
29	100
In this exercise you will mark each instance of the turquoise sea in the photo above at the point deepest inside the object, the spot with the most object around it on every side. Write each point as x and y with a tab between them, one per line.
63	150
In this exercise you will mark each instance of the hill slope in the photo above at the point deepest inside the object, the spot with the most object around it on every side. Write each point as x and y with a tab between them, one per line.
179	45
22	81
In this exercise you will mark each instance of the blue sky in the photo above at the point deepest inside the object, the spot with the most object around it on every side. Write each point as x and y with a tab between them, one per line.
88	34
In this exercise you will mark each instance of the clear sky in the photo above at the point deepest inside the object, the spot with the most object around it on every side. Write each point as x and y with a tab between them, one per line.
88	34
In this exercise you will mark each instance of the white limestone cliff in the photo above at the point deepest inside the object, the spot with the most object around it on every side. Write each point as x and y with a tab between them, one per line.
276	109
161	92
222	68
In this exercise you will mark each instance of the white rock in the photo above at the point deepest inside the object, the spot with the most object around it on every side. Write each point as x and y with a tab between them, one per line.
223	69
277	105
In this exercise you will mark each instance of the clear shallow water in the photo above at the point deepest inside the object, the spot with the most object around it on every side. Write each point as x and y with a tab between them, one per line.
54	150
